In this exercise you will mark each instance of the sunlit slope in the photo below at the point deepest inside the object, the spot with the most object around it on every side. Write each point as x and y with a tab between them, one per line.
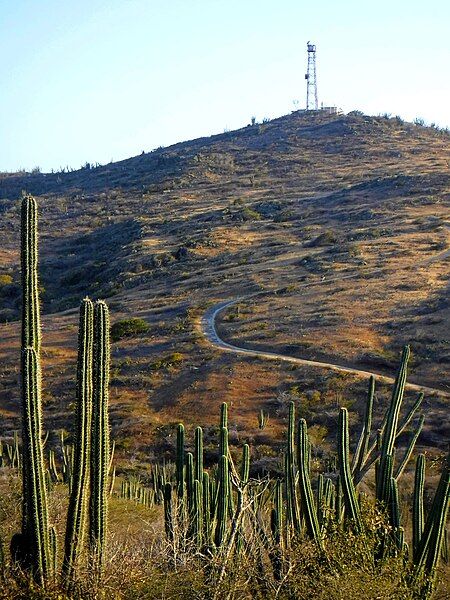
343	220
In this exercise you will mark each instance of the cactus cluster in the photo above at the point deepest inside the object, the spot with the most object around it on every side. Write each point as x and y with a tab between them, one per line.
86	464
216	520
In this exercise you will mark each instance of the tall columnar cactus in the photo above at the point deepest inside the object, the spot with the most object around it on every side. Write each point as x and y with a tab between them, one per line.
345	476
206	509
35	538
395	515
76	513
198	456
224	415
245	466
190	483
180	461
168	512
276	527
429	548
328	508
222	504
100	454
307	499
293	512
363	442
31	327
409	449
390	430
32	547
417	510
223	442
197	514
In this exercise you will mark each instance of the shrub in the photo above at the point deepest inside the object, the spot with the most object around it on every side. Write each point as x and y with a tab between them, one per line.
128	328
327	238
166	362
5	279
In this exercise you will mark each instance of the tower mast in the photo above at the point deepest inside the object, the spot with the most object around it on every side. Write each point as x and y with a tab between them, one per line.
311	81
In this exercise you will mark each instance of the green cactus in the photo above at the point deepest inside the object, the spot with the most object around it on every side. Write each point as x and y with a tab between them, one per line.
345	476
32	547
224	415
263	419
180	462
293	512
31	326
206	509
223	442
430	546
363	443
409	449
100	453
328	499
245	466
418	511
276	526
222	504
307	499
395	515
390	430
197	514
168	512
76	513
190	485
35	538
198	456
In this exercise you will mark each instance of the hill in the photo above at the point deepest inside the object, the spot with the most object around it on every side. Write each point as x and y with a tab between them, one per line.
342	221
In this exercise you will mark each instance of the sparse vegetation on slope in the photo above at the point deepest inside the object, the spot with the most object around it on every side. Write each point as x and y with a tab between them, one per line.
155	235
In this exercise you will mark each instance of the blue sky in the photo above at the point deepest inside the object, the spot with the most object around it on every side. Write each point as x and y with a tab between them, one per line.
95	80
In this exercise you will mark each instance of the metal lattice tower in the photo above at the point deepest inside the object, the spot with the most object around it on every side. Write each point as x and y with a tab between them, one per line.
311	81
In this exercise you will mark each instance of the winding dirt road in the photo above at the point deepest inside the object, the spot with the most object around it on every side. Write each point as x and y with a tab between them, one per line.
208	326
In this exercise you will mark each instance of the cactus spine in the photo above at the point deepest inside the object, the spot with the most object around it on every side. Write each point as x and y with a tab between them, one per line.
76	514
100	455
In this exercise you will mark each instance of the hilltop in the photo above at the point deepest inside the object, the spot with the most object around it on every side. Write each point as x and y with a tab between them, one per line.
342	220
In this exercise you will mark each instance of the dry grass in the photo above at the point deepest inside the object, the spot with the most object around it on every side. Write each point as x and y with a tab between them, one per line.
141	564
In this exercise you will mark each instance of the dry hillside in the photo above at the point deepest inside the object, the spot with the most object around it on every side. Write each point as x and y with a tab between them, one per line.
344	222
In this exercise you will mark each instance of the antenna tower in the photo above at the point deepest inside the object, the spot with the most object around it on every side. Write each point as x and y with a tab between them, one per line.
311	81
